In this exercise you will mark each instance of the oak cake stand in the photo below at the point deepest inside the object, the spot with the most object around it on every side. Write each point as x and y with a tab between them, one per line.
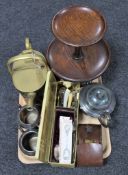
78	53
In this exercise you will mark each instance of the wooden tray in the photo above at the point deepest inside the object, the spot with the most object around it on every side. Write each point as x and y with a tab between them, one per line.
83	119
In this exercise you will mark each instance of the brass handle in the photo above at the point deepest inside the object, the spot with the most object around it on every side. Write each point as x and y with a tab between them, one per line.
19	57
25	55
28	45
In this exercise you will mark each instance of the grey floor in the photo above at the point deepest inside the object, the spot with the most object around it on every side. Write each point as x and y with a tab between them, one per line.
19	19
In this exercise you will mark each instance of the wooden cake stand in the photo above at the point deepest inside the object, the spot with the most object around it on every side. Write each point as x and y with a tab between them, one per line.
78	54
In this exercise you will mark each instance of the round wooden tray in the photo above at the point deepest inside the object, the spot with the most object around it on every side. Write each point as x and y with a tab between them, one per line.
78	26
93	63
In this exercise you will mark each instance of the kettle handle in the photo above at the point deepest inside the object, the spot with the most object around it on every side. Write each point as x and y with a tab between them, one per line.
23	57
105	120
28	44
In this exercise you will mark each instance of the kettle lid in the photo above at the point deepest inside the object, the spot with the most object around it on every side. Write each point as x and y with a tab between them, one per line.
96	100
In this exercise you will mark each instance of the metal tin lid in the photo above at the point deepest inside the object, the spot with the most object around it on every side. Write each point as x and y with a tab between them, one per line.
28	69
97	100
